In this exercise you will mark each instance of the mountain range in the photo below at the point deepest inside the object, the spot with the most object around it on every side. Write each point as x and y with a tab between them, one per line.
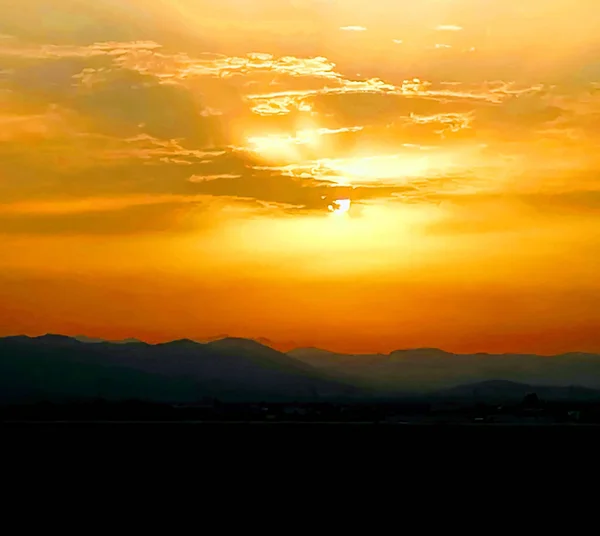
57	367
431	369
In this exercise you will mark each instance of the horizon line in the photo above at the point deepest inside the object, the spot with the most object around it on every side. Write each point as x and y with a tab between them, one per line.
267	343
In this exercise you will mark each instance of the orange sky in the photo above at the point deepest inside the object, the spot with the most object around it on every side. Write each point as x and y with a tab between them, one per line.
356	175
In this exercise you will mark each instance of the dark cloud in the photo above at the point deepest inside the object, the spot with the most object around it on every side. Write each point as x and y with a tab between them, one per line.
310	194
378	108
152	218
127	102
48	80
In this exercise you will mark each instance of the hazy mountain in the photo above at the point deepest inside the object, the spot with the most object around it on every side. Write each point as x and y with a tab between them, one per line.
231	368
203	340
258	353
54	366
261	340
320	358
500	391
429	369
92	340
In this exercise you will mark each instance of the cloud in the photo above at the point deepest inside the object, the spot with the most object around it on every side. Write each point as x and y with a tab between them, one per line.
353	29
34	126
265	192
146	147
133	118
285	101
88	205
270	185
130	103
448	28
115	218
14	47
208	178
291	144
182	66
448	122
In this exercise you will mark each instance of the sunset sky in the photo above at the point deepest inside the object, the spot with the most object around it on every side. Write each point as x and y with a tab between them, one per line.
358	175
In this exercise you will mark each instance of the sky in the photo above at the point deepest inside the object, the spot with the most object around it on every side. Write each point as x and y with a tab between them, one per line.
358	175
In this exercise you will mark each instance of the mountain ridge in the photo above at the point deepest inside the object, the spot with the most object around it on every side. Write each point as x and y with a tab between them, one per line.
505	391
233	367
263	341
228	369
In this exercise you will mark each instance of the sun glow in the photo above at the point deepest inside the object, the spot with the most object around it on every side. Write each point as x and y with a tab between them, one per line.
334	242
371	168
285	147
340	206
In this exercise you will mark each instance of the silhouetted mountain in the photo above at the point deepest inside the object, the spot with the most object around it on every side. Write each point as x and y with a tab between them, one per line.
419	353
260	340
258	353
54	366
320	358
430	369
203	340
500	391
92	340
60	368
88	340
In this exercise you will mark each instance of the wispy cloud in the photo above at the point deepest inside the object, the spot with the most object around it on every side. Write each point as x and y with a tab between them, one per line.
448	122
448	28
91	204
353	29
208	178
271	126
16	48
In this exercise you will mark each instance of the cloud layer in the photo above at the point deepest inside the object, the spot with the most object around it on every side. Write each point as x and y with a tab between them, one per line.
84	118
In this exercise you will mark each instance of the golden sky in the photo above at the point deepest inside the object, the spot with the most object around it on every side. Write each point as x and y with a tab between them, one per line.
360	175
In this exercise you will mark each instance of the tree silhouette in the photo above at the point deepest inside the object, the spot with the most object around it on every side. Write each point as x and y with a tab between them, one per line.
531	400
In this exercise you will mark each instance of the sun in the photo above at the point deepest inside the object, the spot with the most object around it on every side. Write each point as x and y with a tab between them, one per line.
340	206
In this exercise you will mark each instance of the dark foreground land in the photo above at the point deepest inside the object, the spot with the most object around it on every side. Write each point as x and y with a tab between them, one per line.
223	447
410	437
326	442
335	440
530	412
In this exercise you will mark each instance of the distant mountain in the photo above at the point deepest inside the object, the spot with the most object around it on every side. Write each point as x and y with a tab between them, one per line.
318	355
320	358
419	353
55	366
92	340
430	369
261	340
203	340
500	391
88	340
